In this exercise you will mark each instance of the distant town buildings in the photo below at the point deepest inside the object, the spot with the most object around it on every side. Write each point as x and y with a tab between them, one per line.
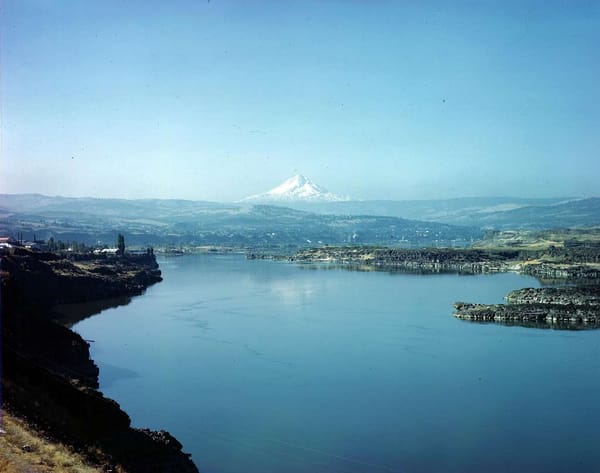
7	243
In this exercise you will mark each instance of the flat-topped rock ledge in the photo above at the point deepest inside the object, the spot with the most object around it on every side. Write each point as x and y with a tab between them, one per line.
557	307
424	259
566	307
569	265
569	296
567	271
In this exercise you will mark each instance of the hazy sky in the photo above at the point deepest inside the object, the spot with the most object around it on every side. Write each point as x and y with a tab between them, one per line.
217	99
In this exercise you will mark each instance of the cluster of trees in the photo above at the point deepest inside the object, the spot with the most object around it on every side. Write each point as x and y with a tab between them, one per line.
59	245
121	244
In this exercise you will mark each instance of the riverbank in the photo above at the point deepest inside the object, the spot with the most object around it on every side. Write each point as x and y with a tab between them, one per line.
576	263
575	307
48	375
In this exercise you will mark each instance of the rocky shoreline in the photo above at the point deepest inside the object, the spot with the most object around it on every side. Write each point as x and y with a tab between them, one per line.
543	264
567	307
553	307
48	375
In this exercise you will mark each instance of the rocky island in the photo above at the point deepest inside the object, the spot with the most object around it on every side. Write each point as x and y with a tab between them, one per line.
547	307
48	376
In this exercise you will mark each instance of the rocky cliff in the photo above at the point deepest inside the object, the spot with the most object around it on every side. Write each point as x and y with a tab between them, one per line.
47	373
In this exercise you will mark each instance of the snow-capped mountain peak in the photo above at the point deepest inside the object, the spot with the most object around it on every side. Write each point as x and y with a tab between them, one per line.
296	188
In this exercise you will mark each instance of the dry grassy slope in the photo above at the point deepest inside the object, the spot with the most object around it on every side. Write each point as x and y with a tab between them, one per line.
537	239
23	450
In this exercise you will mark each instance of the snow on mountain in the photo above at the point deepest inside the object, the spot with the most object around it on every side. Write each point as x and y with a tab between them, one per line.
296	188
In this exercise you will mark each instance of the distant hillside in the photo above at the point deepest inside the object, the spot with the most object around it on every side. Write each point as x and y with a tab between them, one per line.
588	237
180	222
442	210
576	213
185	222
483	212
57	205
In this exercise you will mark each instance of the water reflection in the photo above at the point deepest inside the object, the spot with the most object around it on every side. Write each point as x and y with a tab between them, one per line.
577	325
367	268
111	374
69	314
303	371
293	292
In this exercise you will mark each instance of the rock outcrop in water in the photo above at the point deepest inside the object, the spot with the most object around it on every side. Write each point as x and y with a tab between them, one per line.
48	375
562	307
578	296
550	307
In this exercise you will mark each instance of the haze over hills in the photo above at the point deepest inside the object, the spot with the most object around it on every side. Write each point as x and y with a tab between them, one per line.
571	214
483	212
142	208
181	222
301	193
459	211
302	216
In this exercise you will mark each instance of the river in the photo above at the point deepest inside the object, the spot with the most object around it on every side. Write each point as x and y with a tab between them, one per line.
263	366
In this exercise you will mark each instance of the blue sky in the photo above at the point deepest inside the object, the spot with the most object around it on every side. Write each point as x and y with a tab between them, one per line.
216	100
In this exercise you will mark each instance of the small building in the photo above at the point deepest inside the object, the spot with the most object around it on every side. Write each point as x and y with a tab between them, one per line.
35	245
9	241
7	244
107	251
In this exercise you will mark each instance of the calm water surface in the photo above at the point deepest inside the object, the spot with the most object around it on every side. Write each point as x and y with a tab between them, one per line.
259	366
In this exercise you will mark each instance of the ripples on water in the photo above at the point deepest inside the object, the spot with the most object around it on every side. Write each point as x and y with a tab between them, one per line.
259	366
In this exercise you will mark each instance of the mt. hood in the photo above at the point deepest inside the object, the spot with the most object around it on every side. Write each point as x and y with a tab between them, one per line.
298	188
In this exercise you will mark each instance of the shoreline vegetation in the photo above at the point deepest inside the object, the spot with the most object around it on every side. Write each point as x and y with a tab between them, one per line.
50	382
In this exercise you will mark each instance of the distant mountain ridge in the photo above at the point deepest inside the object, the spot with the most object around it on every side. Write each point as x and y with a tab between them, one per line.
184	222
571	214
485	212
297	188
395	223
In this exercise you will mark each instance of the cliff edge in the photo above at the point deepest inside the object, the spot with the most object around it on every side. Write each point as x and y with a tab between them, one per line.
47	373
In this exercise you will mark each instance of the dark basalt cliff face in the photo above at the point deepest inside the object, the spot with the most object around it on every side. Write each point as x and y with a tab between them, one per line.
427	260
47	373
568	308
48	279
